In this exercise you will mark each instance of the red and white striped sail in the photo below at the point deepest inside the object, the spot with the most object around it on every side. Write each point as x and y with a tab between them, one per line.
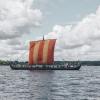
42	51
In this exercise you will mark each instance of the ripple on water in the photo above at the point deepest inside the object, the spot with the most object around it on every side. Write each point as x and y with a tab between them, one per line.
50	85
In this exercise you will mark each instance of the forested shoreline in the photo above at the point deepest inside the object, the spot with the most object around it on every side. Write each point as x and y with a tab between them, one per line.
88	63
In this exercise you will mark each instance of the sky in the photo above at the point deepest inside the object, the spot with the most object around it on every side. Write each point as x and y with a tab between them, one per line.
74	23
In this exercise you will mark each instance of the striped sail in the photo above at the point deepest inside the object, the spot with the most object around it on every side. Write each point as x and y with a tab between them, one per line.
42	51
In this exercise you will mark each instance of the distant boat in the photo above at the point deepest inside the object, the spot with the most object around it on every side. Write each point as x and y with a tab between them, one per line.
41	57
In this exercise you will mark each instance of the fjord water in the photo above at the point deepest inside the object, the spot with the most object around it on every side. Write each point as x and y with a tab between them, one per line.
50	85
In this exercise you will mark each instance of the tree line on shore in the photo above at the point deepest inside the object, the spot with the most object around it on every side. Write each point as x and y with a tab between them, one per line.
3	62
88	63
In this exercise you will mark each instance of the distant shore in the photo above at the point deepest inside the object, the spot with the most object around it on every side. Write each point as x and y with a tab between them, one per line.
3	62
88	63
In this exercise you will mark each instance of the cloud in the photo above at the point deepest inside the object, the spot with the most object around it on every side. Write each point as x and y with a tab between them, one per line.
74	41
15	41
17	17
13	49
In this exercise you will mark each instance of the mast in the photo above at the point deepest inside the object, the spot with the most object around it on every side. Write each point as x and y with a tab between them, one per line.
43	37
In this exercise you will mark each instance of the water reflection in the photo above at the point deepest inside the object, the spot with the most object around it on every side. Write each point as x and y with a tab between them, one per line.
41	85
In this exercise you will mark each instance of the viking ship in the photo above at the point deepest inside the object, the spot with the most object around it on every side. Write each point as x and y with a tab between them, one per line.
41	57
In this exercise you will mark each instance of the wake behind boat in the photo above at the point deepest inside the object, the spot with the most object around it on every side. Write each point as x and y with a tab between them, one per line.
41	57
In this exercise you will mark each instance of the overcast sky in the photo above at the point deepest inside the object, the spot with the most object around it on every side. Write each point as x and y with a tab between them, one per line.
74	23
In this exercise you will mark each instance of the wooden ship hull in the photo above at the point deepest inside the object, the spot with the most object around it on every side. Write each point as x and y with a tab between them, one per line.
43	67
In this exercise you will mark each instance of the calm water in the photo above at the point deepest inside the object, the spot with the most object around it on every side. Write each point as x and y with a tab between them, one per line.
50	85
